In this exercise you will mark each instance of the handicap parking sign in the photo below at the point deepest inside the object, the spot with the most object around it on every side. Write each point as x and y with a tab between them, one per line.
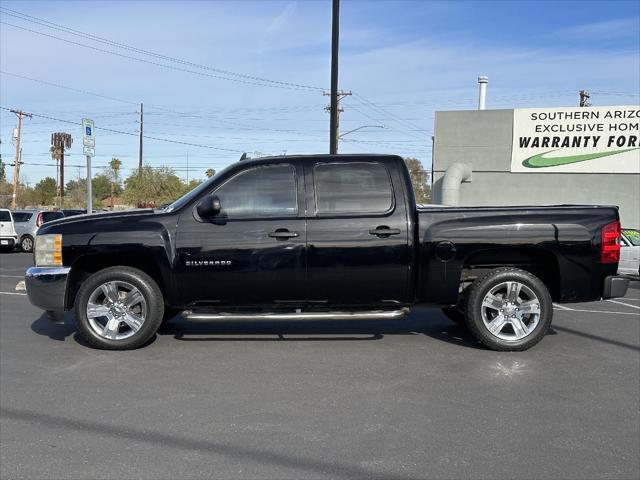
88	140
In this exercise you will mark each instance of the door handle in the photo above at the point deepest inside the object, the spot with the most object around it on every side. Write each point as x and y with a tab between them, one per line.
384	231
283	234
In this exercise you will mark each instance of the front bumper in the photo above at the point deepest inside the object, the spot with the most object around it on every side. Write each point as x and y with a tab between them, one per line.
615	287
47	287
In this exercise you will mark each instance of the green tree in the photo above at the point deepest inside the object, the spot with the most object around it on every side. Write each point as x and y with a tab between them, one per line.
419	179
76	192
152	186
190	186
3	175
45	191
113	172
210	172
6	191
101	186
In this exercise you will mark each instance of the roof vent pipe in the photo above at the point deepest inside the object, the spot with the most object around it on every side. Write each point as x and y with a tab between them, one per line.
456	174
482	96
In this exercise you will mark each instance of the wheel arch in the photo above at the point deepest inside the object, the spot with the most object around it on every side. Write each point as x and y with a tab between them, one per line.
86	265
538	261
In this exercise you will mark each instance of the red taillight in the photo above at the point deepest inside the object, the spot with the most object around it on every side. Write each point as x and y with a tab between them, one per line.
39	220
610	245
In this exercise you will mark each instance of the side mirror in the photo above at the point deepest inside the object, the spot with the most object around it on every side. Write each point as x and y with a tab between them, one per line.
209	206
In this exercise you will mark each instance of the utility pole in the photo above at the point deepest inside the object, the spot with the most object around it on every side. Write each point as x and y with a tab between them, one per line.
60	141
140	150
333	108
57	179
16	167
584	98
335	129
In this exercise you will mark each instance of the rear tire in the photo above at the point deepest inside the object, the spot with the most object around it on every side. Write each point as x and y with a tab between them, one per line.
119	308
26	244
509	309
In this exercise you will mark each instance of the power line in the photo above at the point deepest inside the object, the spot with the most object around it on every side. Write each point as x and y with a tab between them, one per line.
129	56
228	75
95	38
136	134
399	126
372	105
162	109
77	90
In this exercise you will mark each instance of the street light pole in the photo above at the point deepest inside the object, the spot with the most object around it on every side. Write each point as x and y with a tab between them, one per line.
360	128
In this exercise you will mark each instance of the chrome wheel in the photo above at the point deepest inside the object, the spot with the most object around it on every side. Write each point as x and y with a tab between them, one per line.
26	244
116	310
511	311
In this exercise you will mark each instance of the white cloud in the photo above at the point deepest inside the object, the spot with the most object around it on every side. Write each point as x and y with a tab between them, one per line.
609	29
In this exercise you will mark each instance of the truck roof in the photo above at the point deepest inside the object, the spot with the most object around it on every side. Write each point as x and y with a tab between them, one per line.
315	157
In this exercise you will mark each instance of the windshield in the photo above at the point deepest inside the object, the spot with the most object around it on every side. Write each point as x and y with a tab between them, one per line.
187	197
633	236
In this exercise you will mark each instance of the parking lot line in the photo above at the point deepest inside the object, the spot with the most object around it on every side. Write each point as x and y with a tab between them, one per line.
561	307
12	293
597	311
625	304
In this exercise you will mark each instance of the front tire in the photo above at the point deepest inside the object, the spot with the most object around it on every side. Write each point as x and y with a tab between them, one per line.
509	309
119	308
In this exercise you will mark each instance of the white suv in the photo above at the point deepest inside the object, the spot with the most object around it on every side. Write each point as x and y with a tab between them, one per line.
630	252
8	237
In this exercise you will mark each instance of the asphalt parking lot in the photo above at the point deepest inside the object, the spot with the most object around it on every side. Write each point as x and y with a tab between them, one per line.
415	398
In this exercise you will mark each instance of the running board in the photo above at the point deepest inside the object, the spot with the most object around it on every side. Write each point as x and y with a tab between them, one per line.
363	315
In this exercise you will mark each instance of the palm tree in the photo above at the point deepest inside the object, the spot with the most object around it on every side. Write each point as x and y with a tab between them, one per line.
114	174
210	172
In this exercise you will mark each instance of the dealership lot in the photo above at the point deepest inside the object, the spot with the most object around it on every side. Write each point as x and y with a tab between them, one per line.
407	399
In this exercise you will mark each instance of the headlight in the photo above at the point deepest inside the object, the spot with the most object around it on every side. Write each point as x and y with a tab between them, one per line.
48	250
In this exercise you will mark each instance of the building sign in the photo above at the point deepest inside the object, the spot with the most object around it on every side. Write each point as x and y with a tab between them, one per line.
576	140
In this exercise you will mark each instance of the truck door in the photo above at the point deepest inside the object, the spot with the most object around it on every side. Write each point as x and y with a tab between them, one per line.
357	233
254	251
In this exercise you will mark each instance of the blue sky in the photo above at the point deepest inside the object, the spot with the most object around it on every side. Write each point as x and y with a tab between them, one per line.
402	60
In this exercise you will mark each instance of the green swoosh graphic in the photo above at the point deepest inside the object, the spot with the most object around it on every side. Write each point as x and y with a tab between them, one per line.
540	161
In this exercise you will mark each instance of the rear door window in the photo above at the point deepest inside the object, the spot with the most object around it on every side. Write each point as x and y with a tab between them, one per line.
5	216
21	217
352	188
48	216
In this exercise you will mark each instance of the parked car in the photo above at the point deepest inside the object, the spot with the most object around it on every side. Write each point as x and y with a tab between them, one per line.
8	237
323	238
630	252
27	223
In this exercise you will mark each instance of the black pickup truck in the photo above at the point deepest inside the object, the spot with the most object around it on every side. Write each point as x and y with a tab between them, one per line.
323	237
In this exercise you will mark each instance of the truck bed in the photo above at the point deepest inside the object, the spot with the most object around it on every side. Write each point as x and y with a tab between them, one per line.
562	241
